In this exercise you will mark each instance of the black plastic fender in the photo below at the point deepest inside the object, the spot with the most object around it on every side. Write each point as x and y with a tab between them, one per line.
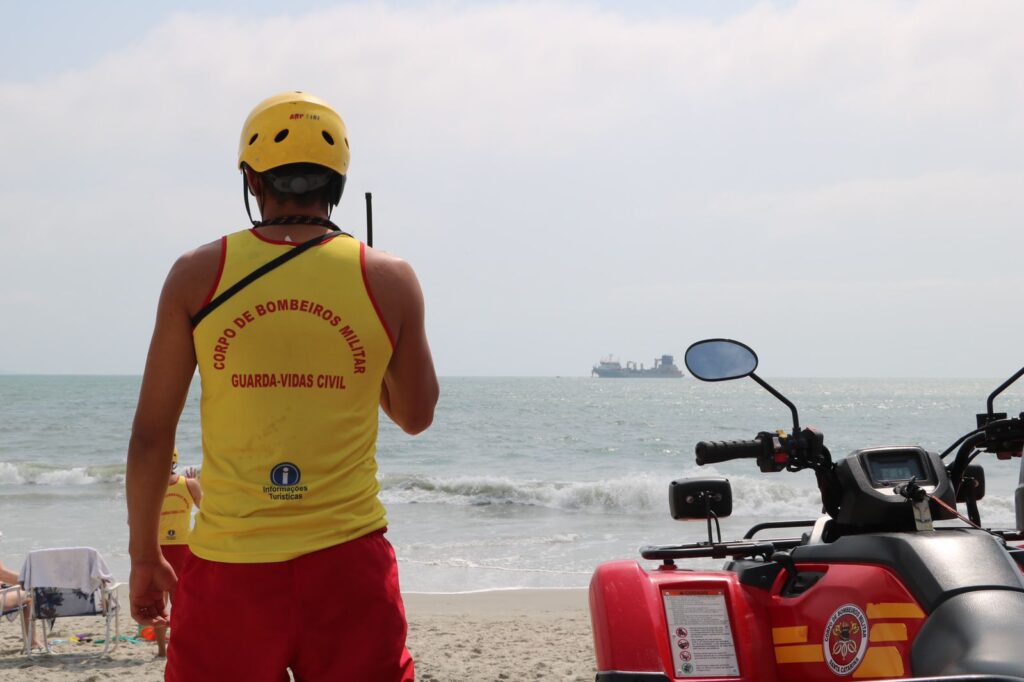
973	632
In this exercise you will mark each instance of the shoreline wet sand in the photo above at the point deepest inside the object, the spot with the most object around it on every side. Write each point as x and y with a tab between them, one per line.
466	637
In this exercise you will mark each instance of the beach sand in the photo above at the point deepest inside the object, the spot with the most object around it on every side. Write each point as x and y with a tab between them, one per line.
483	636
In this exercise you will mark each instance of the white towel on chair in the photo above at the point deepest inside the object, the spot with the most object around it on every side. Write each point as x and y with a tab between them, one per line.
80	568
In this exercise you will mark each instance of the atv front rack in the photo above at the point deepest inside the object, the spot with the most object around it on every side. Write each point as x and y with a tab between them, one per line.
736	549
718	550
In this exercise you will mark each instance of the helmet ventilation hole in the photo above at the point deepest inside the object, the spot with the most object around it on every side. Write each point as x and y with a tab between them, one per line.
281	135
327	136
253	138
346	143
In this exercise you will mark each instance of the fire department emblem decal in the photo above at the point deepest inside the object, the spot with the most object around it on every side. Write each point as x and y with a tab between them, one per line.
846	639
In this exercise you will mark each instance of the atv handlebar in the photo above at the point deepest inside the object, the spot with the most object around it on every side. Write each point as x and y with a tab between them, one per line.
712	452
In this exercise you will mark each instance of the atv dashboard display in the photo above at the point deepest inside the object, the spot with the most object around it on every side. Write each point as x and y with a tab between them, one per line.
868	479
890	466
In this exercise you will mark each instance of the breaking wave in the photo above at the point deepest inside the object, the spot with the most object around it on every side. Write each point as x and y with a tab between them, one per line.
639	493
632	493
782	497
42	475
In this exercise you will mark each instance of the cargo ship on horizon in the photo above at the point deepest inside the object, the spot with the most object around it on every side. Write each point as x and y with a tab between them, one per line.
610	368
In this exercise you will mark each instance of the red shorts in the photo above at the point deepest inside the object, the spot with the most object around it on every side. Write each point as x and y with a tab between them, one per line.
177	556
335	614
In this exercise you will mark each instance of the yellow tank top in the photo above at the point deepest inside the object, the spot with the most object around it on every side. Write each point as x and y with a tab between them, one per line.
291	371
176	514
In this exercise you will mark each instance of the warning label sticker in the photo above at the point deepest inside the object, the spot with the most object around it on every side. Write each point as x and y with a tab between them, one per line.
699	633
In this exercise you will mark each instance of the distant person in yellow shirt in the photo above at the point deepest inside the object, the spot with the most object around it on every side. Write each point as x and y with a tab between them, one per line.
183	492
296	359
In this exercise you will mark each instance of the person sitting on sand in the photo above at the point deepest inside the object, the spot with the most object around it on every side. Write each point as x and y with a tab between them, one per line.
183	492
14	598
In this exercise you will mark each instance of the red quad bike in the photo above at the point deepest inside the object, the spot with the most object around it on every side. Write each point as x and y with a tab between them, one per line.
872	590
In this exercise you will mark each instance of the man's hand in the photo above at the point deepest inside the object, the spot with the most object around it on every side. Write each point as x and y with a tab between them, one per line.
192	472
148	586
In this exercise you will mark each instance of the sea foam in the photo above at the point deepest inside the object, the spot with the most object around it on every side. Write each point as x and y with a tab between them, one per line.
41	475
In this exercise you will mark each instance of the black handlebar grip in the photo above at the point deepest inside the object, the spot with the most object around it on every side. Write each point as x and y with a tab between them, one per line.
712	452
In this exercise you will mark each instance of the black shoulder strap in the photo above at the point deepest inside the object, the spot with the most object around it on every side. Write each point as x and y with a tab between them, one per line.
259	272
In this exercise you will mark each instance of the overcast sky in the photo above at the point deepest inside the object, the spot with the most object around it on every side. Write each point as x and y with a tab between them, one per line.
840	185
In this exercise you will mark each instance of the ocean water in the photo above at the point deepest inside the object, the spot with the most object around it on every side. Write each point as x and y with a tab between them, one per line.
521	482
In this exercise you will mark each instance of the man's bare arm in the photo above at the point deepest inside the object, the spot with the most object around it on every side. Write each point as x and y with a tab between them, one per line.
194	489
169	368
410	390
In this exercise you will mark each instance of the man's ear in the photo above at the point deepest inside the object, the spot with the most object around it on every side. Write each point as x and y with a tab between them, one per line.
254	181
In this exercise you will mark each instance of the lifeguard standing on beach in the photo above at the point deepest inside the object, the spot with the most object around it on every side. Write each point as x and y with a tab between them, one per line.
291	566
183	493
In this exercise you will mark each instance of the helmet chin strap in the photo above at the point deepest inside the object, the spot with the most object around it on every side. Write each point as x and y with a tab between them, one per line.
245	197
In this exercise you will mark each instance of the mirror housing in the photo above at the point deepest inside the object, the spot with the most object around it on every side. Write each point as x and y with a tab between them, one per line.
974	481
720	360
693	498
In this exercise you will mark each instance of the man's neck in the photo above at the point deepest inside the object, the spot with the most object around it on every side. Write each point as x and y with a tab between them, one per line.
294	232
281	210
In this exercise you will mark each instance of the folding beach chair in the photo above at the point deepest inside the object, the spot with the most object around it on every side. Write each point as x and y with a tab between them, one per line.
71	582
19	606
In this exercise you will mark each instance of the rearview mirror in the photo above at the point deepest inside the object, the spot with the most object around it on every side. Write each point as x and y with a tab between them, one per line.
973	485
720	360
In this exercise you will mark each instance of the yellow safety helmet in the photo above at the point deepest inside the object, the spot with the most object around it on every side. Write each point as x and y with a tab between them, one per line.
294	127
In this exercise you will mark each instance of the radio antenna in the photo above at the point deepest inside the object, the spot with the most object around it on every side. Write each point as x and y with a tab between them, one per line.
369	219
